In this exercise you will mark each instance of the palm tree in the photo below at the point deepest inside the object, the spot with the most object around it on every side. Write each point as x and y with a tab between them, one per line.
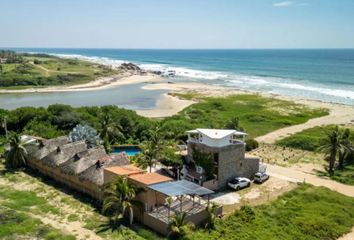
234	123
345	148
169	201
336	143
178	225
212	210
16	156
119	198
152	149
109	130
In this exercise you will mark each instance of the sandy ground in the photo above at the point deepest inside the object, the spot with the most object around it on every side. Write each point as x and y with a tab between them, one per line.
167	105
255	195
338	113
305	173
74	228
100	83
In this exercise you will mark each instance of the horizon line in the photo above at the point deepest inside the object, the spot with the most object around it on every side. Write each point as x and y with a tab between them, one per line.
110	48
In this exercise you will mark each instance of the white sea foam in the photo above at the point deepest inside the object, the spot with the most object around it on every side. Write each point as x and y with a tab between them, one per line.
99	60
328	91
163	68
268	84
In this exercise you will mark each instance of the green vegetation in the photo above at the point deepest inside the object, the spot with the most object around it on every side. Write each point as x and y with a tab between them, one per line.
335	142
345	175
35	70
119	199
15	221
17	155
258	115
310	139
57	120
205	161
304	213
179	226
21	211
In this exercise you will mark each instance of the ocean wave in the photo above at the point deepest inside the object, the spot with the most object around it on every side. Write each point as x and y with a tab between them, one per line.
164	69
328	91
183	72
250	82
99	60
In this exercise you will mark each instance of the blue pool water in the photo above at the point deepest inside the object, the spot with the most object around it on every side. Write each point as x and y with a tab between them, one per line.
129	150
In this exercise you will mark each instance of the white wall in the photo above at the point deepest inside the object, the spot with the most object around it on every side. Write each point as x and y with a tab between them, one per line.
216	142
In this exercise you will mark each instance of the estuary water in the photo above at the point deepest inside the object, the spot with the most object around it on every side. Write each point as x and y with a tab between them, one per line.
320	74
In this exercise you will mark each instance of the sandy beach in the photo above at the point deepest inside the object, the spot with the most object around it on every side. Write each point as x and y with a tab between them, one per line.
168	104
338	113
100	83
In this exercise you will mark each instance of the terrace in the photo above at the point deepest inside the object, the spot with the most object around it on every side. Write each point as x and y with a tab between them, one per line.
186	196
216	137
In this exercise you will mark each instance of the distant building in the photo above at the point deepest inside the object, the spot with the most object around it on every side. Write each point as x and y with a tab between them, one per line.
225	149
3	60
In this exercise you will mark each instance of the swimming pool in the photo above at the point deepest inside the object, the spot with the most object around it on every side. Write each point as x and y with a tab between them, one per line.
129	150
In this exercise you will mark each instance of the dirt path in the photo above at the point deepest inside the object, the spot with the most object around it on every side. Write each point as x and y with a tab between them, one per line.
305	174
339	114
349	236
75	228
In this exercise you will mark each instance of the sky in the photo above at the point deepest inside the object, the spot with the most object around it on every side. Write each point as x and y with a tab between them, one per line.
176	24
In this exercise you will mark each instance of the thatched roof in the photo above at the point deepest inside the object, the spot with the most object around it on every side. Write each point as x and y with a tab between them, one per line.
82	161
44	147
94	173
62	154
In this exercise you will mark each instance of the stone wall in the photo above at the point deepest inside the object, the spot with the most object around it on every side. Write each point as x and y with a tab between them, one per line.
232	162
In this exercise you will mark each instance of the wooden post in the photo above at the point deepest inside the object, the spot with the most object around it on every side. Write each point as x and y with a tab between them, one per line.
181	197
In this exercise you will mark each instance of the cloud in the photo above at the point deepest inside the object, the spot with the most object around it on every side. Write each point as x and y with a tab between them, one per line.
283	4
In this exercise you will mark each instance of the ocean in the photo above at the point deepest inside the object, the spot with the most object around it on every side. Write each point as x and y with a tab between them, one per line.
321	74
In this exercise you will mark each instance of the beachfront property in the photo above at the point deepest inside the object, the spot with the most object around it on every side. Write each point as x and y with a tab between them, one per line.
225	149
89	170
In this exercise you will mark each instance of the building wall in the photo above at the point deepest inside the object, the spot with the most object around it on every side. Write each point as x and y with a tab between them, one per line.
71	181
216	142
232	162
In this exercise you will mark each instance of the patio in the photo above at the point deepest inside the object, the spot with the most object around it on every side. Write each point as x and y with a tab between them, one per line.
186	197
186	204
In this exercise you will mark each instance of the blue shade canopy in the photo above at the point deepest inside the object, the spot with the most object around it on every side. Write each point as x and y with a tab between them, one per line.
181	187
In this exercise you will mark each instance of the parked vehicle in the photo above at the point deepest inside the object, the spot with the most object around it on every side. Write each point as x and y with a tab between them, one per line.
261	177
239	182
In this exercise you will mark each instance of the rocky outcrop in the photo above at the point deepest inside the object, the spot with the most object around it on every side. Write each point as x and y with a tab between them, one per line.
129	67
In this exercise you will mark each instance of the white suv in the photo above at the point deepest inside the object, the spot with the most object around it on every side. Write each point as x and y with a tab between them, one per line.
239	182
260	177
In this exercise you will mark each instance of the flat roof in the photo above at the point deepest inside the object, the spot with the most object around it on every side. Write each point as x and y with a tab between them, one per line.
181	187
150	178
217	133
125	170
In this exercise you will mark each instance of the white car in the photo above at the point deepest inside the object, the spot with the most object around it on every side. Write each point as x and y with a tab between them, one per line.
260	177
239	182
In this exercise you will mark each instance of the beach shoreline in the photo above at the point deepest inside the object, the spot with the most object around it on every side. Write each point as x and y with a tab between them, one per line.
98	84
340	114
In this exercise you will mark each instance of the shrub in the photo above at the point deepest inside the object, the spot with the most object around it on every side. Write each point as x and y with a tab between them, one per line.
36	61
301	142
251	144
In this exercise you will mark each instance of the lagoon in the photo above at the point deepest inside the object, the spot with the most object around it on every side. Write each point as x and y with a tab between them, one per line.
127	96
